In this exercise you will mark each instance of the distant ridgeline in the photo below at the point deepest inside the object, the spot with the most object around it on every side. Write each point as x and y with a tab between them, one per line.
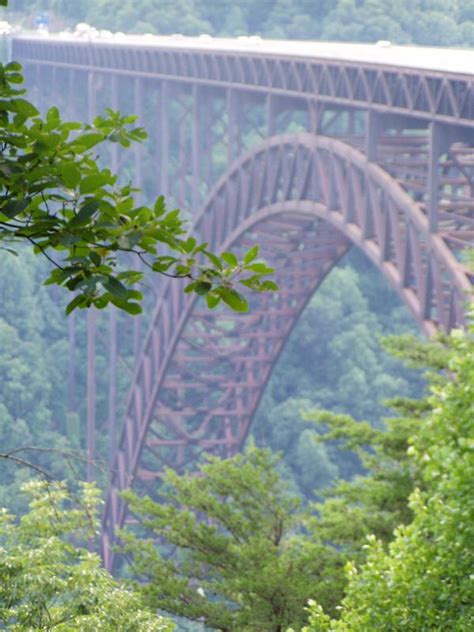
424	22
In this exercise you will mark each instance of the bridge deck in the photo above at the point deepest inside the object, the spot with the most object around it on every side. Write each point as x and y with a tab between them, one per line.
444	60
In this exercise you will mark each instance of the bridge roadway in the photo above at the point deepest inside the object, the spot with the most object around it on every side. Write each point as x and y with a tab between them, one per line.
306	148
441	60
421	81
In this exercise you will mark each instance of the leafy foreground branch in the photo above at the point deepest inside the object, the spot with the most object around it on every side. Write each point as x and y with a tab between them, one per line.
55	197
48	582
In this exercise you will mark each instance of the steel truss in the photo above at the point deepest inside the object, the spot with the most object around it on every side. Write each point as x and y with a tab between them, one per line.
388	166
441	96
200	376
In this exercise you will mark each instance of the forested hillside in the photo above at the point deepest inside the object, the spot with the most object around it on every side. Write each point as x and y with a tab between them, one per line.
333	360
424	22
352	512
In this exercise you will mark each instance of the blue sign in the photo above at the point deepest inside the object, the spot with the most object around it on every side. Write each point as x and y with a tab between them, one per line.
42	20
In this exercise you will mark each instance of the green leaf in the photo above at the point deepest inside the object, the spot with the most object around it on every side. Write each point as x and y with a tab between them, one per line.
202	287
251	254
260	268
12	66
85	213
172	215
233	299
252	282
130	276
95	258
70	175
78	301
135	295
14	207
93	182
268	286
212	300
213	259
189	245
53	114
130	308
190	287
159	207
162	264
113	285
230	259
22	106
182	270
88	140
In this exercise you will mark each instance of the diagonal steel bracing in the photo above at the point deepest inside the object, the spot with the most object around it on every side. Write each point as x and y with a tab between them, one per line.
388	166
200	375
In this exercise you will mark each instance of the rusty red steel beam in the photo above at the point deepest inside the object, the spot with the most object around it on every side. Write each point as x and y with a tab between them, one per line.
315	192
428	94
200	377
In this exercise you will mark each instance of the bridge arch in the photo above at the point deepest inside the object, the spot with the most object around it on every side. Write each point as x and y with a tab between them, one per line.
306	199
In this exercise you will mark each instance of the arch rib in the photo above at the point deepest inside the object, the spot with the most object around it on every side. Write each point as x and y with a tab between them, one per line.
306	200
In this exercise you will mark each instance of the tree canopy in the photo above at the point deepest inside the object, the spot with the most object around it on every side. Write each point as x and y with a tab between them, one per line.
49	582
425	22
240	562
222	522
424	580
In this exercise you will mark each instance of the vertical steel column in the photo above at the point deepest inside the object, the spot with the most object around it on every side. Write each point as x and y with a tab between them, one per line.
351	123
112	425
270	115
138	147
91	391
196	149
71	322
71	326
114	149
91	331
374	128
138	167
112	395
314	116
71	84
37	94
91	96
164	137
53	86
233	148
182	171
436	147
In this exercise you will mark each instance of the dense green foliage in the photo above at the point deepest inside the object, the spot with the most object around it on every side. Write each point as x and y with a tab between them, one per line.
49	582
424	580
414	506
240	562
33	363
427	22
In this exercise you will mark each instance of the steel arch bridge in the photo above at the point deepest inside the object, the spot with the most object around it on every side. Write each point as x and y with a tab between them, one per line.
306	155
